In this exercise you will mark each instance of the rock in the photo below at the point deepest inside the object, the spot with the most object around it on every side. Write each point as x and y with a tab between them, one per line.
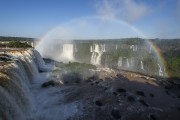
168	87
101	80
178	108
88	81
152	117
105	88
97	82
141	93
115	93
178	96
130	99
120	90
98	103
116	113
49	83
152	95
94	77
47	60
143	102
167	92
71	77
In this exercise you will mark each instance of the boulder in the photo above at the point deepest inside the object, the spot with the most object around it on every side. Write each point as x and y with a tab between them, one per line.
49	83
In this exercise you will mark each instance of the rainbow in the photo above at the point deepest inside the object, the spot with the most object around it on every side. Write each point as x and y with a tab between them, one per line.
149	43
159	56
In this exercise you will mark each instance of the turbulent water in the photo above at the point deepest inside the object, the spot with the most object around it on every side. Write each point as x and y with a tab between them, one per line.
16	78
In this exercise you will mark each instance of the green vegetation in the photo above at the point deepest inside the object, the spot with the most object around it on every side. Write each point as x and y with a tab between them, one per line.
173	66
4	38
170	49
75	67
81	69
18	44
15	42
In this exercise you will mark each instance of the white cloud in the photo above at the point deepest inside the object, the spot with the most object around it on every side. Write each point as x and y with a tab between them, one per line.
128	10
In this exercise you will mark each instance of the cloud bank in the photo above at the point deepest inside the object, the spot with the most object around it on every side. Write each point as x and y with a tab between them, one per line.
127	10
158	18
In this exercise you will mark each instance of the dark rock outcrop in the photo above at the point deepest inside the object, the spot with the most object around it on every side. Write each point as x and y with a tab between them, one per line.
49	83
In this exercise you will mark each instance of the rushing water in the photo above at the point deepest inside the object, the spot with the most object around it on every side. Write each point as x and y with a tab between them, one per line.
22	97
97	52
68	52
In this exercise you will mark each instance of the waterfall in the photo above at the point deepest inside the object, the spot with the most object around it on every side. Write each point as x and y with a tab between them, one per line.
120	62
27	58
96	48
104	48
116	47
40	62
15	101
128	63
150	49
160	70
8	107
133	47
91	49
142	66
67	53
75	48
97	51
93	57
136	48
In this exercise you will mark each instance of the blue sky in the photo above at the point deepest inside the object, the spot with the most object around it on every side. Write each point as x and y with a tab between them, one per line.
34	18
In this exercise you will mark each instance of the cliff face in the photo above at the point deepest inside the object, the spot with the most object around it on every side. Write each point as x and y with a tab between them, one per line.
16	73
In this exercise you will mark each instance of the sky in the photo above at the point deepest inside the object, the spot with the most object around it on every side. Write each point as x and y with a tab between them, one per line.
34	18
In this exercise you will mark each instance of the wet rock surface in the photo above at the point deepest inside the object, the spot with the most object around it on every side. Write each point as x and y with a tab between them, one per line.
130	99
152	117
98	103
118	95
141	93
50	83
143	102
116	113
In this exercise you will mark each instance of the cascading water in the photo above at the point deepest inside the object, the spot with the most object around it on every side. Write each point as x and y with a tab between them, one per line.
127	65
104	48
40	62
91	48
142	66
67	53
160	70
97	51
133	47
27	58
150	49
120	62
16	101
116	47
